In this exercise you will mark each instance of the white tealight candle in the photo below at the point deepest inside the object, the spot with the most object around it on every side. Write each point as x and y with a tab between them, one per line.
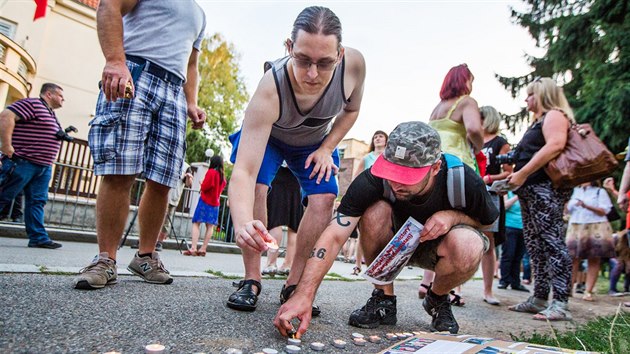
374	339
154	349
391	336
233	351
359	341
292	349
357	335
294	341
317	346
407	334
270	351
338	343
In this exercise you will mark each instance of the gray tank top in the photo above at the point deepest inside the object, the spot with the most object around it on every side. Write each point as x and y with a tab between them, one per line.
296	128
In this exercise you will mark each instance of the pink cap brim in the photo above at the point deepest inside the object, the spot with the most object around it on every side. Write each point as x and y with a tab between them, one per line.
397	173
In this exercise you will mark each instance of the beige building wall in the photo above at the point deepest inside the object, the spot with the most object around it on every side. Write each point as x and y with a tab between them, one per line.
65	48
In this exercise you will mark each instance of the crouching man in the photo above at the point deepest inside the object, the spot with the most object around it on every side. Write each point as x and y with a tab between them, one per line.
408	179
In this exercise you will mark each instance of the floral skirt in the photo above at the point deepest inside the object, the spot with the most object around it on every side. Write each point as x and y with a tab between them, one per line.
592	240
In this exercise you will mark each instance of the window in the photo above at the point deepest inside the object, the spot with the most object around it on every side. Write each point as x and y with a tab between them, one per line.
342	152
7	28
2	50
22	70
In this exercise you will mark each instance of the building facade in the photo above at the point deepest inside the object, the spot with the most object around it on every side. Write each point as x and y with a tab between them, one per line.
351	151
61	47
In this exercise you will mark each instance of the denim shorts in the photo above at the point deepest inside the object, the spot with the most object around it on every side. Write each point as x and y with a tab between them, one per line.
144	134
295	156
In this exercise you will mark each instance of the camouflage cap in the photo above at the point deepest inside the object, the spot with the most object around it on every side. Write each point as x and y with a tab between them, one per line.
412	148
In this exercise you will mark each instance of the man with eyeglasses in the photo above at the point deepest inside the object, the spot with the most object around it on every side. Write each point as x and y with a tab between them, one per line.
408	180
290	117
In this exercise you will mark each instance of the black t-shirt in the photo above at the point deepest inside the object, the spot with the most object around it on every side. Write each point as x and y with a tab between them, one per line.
367	189
491	149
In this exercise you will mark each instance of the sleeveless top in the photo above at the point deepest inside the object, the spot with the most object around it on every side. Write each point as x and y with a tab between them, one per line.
297	128
369	160
533	140
453	137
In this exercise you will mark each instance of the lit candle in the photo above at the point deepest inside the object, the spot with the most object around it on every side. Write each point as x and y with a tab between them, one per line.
374	339
391	336
338	343
359	341
294	341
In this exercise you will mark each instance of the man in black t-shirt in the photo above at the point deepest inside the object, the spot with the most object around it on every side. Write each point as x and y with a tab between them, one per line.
413	169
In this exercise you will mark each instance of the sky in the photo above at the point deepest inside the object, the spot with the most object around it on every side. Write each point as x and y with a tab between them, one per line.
408	46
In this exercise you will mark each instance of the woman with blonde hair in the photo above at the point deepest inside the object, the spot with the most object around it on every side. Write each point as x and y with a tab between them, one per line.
542	204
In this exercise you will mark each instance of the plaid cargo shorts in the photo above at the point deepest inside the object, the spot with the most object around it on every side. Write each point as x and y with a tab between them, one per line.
144	134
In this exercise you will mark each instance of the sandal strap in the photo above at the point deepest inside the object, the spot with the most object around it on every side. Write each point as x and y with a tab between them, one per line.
240	284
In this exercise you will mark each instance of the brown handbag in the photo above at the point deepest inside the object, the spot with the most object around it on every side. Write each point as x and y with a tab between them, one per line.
584	159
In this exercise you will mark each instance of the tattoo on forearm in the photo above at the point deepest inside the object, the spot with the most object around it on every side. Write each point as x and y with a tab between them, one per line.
319	253
339	216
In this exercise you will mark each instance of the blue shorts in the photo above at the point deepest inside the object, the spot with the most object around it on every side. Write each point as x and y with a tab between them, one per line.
144	134
295	156
205	213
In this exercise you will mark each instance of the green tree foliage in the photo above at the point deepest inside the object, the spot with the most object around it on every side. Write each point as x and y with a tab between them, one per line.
587	46
222	94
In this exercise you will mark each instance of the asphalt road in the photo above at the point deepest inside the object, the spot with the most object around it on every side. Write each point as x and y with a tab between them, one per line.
42	313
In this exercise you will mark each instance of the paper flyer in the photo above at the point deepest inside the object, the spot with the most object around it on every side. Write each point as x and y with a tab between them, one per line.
396	254
500	186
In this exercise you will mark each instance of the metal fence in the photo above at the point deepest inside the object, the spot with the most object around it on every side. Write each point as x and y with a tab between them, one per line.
72	199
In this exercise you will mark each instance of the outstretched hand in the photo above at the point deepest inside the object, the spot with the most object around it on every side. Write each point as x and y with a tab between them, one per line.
324	165
254	236
296	307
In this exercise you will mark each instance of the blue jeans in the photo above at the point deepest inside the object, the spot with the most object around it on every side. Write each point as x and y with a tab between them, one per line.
33	180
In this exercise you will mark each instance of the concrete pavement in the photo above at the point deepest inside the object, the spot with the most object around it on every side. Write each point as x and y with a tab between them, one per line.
42	313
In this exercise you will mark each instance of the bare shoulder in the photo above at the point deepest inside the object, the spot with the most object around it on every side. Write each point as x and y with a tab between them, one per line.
355	63
468	101
264	105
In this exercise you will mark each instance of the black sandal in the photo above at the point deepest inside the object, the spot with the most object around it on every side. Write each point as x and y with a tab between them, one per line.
286	293
245	298
457	299
423	294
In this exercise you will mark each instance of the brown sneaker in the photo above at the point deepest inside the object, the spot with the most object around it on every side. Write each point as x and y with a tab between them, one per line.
101	272
150	269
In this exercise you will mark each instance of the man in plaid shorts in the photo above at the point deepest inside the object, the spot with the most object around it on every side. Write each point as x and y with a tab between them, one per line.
149	86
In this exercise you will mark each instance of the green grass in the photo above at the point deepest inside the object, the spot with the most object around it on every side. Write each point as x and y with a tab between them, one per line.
609	334
222	275
44	270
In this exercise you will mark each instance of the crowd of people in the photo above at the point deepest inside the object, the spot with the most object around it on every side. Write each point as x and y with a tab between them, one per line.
441	174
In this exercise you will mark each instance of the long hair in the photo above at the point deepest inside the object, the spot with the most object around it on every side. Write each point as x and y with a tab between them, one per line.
491	119
216	163
375	134
550	96
317	19
455	82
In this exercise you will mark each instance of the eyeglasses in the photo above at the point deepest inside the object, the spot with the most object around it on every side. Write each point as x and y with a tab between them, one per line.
321	66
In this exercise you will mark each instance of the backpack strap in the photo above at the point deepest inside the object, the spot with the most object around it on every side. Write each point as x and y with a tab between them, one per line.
455	183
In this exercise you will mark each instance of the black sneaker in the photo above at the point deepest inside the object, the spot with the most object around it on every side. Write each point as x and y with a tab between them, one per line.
379	309
439	308
49	245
